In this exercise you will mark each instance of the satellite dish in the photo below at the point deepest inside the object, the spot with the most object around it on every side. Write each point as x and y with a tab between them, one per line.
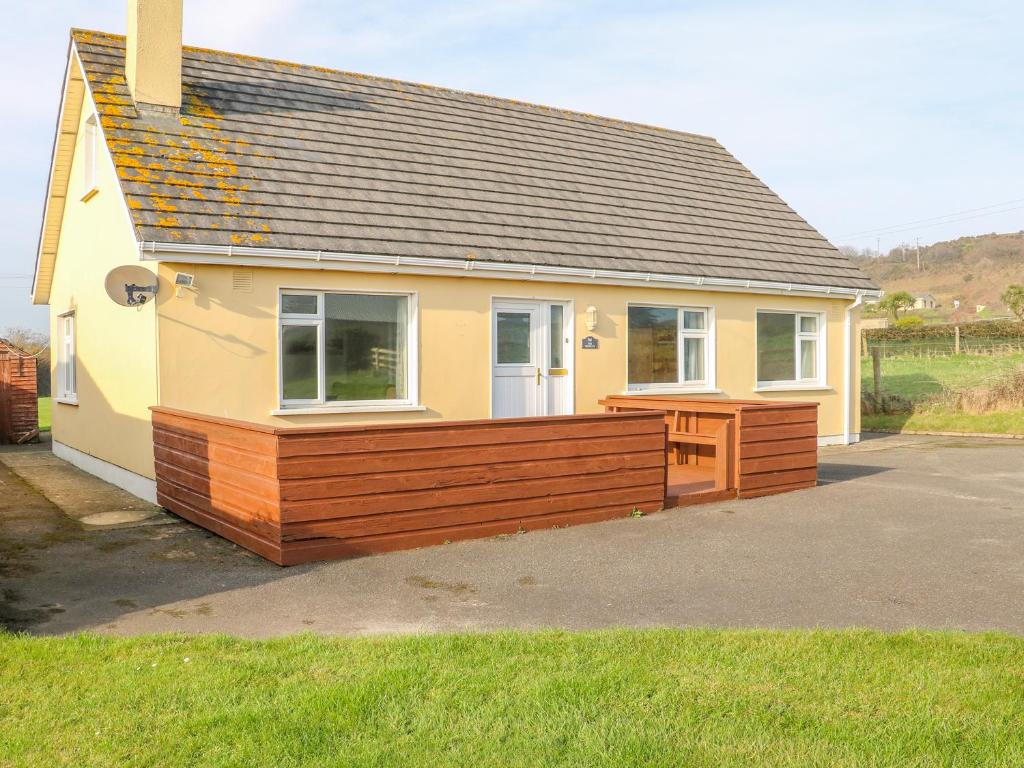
130	285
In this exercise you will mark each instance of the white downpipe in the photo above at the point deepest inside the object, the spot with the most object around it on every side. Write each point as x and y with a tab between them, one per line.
848	367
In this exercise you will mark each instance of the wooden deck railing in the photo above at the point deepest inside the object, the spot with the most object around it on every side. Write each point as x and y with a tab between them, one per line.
756	447
297	494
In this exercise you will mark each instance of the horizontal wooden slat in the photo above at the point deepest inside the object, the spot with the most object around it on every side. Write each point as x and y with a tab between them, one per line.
254	440
238	502
472	513
692	438
441	436
778	463
221	509
778	431
257	463
773	490
778	447
486	474
395	460
292	511
768	479
778	416
217	468
700	405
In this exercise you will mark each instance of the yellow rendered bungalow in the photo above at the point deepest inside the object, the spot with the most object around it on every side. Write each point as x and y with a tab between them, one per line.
334	249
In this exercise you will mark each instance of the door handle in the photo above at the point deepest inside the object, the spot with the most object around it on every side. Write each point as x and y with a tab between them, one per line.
538	377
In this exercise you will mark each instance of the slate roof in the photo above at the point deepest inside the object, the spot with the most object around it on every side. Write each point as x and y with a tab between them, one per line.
272	154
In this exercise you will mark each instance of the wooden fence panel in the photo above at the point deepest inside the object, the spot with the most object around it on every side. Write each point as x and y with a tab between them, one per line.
19	400
300	494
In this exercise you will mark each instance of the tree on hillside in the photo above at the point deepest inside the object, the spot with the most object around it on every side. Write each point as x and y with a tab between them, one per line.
35	343
1013	298
896	303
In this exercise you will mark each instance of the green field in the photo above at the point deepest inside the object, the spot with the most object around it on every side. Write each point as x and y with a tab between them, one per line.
617	698
919	378
45	413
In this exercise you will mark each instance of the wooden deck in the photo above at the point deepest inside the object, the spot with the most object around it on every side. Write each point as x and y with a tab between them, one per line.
312	493
298	494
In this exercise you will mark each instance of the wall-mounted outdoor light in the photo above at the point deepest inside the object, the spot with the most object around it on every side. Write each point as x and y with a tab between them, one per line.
591	317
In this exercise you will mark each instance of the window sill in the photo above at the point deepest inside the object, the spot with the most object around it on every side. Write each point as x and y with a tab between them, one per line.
318	410
673	391
90	194
66	400
793	387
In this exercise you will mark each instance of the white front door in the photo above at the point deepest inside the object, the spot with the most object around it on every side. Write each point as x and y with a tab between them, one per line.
531	345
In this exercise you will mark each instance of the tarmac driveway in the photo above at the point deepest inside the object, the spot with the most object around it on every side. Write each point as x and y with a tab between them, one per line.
903	531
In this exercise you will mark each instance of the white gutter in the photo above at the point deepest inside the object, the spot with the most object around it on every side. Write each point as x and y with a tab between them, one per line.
848	386
417	265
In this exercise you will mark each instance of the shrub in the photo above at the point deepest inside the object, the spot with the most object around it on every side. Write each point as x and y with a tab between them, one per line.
910	321
1002	329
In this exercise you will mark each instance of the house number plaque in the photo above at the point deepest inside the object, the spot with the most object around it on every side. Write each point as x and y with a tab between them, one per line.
589	342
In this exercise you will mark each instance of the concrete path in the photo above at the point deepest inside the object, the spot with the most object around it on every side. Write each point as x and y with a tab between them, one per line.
902	532
79	495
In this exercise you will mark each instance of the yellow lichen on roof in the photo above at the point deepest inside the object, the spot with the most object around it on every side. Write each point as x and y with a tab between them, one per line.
160	204
200	108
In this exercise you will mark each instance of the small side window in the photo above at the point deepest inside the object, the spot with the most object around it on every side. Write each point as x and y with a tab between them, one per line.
67	385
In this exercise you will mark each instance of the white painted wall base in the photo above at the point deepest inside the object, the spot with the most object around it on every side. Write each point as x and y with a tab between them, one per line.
824	440
135	484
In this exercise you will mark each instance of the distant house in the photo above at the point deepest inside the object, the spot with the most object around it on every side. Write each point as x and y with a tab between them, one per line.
924	301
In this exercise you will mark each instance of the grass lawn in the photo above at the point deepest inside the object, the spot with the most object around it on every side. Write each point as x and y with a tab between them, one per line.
942	420
45	414
918	378
619	698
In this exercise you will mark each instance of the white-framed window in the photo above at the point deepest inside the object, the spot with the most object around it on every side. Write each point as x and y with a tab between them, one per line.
790	349
67	385
90	150
670	348
347	349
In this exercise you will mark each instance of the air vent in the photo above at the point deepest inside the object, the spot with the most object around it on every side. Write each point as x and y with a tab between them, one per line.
241	281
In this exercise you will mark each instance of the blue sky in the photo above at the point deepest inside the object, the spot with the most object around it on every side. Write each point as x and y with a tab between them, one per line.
862	115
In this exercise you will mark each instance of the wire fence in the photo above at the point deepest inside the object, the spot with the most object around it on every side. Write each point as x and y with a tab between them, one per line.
976	375
944	347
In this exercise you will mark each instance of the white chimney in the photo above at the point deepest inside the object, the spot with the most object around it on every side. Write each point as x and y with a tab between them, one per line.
152	64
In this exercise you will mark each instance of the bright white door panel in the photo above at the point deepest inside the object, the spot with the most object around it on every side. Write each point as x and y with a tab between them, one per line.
517	355
531	363
557	372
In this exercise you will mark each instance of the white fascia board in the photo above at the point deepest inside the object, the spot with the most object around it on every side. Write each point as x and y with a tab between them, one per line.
416	265
36	299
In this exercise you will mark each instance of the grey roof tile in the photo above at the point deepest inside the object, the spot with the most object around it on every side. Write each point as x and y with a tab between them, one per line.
271	154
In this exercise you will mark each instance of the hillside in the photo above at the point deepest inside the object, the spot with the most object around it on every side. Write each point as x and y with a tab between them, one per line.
975	270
